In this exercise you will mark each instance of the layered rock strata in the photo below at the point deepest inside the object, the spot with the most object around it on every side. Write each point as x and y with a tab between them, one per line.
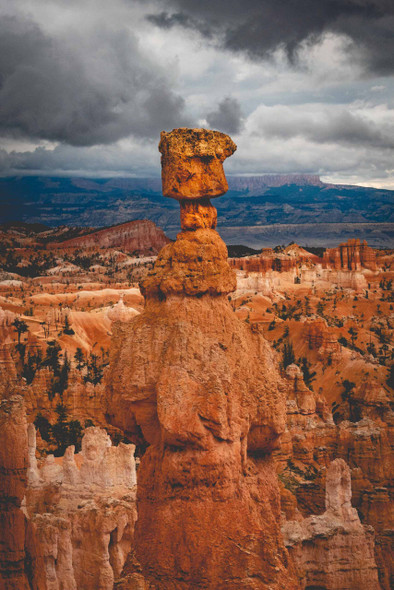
142	236
197	388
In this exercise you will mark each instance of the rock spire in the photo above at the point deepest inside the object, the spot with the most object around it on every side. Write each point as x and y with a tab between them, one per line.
197	388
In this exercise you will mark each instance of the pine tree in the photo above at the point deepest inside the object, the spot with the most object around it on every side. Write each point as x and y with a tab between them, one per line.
288	356
20	327
308	375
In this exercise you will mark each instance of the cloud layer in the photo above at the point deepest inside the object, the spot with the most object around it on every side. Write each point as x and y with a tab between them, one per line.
258	27
86	86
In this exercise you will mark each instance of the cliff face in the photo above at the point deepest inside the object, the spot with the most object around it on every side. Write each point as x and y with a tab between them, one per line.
140	236
198	388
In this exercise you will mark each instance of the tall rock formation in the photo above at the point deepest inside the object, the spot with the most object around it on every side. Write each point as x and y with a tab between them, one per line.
198	389
334	550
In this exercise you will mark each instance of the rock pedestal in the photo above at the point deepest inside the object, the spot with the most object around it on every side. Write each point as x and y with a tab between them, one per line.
198	389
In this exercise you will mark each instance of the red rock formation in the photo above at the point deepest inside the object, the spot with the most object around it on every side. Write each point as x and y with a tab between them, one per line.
198	387
334	550
266	261
140	236
291	257
351	255
192	163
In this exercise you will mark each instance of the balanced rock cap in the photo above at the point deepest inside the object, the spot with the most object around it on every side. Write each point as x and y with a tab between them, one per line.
192	163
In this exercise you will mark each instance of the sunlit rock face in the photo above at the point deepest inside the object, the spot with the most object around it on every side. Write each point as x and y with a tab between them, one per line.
198	388
334	550
192	163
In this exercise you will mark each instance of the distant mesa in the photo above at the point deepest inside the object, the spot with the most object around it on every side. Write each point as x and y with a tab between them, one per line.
141	237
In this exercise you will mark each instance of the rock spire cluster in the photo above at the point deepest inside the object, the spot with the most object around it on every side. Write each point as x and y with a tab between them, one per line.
197	389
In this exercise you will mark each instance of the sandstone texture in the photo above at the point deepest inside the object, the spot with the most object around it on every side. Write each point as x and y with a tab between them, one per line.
334	550
192	163
197	213
198	389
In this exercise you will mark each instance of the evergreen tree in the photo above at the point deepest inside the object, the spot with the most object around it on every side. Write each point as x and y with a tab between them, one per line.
43	426
20	327
79	358
309	375
51	359
288	356
390	378
67	329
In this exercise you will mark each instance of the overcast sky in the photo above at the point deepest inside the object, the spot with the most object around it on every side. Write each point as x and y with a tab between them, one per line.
86	86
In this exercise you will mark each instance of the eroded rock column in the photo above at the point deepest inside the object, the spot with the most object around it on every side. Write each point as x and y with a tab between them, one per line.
199	389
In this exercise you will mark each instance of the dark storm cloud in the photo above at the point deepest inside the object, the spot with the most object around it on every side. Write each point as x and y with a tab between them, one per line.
227	117
258	27
81	89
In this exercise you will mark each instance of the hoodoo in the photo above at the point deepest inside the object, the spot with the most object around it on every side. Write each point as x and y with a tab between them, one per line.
198	389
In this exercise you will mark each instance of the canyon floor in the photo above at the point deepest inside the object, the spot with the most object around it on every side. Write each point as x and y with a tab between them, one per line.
328	318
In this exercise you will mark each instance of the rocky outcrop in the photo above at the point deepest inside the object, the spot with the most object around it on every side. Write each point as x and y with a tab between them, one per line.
121	312
198	389
351	255
141	236
334	550
301	399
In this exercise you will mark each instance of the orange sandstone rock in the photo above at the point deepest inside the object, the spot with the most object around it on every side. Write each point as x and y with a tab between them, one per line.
193	265
198	213
20	565
351	255
198	389
192	163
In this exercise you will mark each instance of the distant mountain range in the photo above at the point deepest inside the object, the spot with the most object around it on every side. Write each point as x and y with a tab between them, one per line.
257	210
